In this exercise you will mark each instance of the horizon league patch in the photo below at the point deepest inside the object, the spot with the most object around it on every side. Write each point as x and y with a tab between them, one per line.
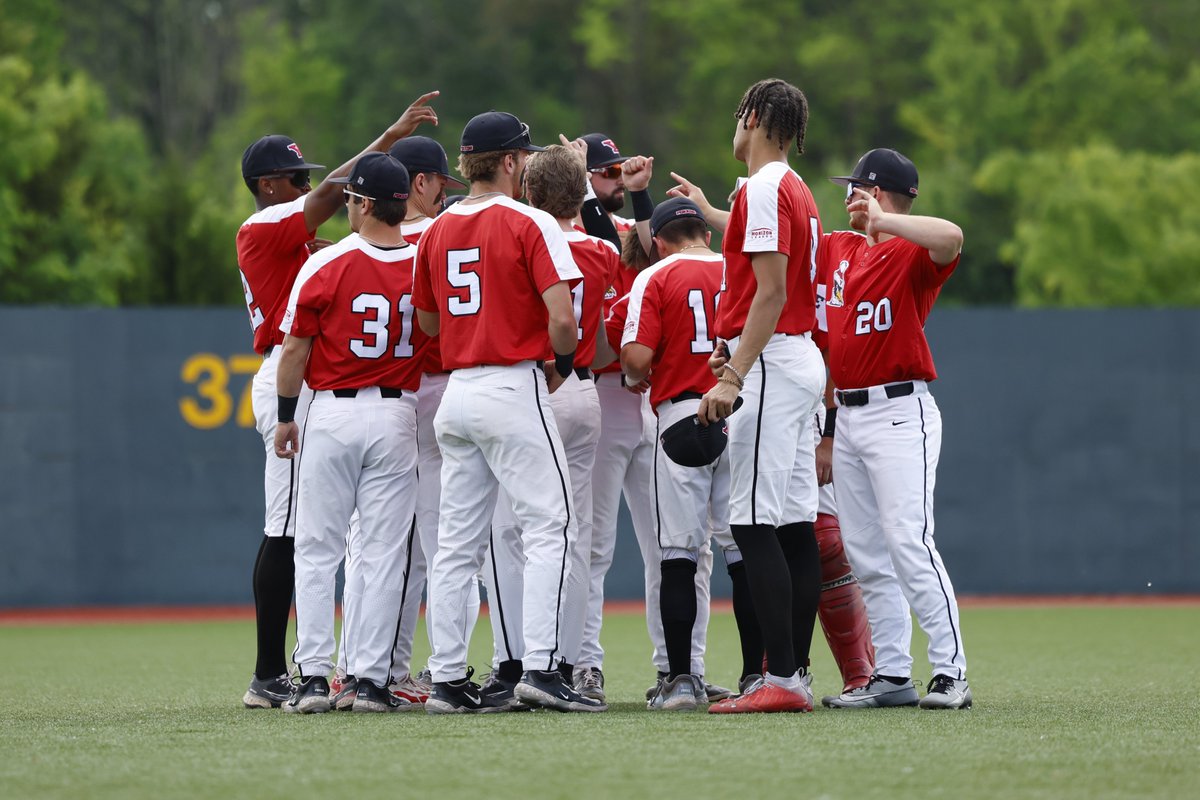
762	233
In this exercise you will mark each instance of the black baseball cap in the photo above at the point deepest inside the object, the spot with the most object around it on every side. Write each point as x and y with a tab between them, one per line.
378	176
886	169
602	151
690	444
274	153
422	154
671	210
496	130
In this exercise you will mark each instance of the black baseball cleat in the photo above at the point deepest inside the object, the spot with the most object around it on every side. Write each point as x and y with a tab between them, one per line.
269	693
372	699
461	697
503	693
310	696
547	689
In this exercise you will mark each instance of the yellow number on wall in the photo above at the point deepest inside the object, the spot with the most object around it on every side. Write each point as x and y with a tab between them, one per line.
211	377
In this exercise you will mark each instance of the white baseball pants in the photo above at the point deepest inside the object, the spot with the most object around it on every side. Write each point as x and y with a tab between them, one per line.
279	477
357	451
625	464
771	448
885	457
496	429
577	414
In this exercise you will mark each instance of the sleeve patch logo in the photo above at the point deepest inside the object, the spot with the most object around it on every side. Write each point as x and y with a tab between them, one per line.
762	233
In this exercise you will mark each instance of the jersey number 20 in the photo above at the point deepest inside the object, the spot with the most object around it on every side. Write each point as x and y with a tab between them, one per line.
872	316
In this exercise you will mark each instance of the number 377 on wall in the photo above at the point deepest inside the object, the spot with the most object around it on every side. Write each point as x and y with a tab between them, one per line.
211	403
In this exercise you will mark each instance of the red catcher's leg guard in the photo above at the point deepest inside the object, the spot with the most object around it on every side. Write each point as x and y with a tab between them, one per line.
842	611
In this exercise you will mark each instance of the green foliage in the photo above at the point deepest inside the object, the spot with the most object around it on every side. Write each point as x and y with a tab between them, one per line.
120	152
72	181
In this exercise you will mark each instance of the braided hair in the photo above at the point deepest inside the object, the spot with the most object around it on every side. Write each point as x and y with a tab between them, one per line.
782	111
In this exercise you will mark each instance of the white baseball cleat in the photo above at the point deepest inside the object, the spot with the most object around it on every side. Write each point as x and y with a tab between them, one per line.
878	693
946	692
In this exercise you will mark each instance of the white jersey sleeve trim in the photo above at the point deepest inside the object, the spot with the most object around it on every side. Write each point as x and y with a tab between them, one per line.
762	209
580	236
555	238
276	213
633	311
310	268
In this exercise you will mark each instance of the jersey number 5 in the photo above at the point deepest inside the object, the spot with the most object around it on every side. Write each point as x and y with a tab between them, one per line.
377	328
461	278
871	316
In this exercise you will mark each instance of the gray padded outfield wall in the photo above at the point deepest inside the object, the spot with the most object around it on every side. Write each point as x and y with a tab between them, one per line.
131	472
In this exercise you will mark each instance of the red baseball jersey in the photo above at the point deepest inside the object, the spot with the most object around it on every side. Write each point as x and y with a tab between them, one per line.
878	303
355	301
622	282
412	232
483	267
773	212
836	251
614	325
598	260
270	252
670	311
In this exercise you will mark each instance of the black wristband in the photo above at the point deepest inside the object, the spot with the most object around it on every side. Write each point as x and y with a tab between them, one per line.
287	408
643	206
564	364
830	423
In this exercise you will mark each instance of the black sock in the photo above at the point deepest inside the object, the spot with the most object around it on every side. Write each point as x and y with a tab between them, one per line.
770	586
799	544
274	580
677	603
567	671
896	681
510	670
747	622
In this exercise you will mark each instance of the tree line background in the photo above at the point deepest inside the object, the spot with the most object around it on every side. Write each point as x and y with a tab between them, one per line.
1060	134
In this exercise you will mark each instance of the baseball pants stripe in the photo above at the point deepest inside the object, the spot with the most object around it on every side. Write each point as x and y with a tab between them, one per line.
279	474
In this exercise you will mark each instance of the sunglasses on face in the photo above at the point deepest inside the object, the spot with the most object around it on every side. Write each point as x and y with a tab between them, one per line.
612	172
347	194
850	187
299	178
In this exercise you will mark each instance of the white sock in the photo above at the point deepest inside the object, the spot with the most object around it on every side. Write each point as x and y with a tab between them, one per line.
792	682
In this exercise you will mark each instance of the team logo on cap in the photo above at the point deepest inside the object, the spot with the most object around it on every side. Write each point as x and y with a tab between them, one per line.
295	148
466	148
871	176
679	212
611	145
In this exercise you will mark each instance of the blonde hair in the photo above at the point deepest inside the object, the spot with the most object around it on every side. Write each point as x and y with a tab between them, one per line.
482	166
555	182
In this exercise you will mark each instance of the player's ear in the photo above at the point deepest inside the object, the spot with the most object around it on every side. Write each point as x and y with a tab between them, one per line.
707	238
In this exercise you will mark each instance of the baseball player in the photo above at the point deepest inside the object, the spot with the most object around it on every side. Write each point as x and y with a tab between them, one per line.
272	245
667	334
766	315
887	432
350	335
429	173
554	183
494	281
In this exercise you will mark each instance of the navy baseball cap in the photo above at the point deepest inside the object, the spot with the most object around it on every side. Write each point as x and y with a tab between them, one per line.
602	151
274	153
422	154
671	210
377	176
496	130
886	169
690	444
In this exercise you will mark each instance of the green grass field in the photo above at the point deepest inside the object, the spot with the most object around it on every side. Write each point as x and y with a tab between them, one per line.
1070	702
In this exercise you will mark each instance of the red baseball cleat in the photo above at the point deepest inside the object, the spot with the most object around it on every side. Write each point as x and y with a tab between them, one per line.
766	698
